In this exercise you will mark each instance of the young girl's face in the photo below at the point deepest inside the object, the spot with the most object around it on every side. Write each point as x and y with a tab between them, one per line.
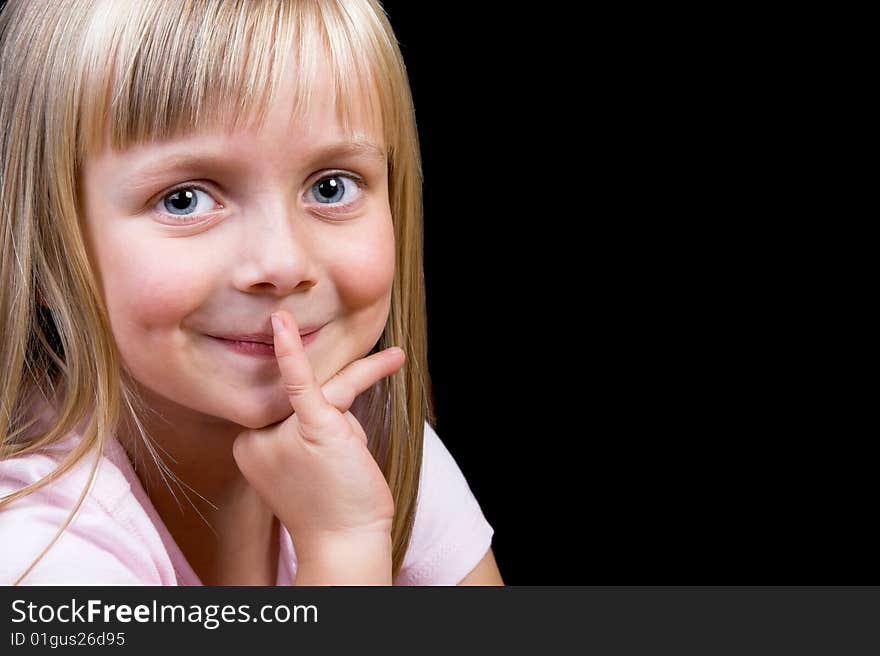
211	233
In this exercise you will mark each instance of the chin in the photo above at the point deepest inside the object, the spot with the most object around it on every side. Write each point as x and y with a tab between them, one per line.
271	414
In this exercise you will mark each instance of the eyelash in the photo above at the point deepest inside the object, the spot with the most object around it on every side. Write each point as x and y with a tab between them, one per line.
340	209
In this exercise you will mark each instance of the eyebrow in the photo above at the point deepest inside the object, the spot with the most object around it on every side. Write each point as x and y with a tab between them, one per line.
155	169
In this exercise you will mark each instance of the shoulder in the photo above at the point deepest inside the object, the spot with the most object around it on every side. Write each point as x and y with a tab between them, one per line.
450	534
101	544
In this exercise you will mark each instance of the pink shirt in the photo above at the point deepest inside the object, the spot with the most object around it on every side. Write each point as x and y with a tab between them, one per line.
118	538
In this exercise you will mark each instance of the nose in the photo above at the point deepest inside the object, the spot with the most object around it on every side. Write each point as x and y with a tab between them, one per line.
277	253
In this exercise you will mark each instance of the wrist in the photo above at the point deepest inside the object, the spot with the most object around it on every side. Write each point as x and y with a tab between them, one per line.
362	558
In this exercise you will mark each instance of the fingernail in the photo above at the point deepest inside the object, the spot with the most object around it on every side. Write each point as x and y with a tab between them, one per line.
277	324
394	350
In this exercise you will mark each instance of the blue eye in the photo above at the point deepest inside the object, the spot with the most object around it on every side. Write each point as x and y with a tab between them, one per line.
332	189
185	201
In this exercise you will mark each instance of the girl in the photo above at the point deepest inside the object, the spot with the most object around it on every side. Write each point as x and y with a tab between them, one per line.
211	239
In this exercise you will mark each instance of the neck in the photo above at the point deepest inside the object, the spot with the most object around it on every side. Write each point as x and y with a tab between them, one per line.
227	533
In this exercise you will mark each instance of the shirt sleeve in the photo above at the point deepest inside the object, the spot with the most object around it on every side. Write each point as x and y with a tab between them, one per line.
93	550
450	534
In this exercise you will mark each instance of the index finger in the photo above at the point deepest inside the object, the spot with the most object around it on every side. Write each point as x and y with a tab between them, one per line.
297	377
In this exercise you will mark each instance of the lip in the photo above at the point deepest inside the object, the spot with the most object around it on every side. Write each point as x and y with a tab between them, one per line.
262	338
259	345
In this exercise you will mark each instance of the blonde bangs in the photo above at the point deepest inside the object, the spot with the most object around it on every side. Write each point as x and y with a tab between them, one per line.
160	70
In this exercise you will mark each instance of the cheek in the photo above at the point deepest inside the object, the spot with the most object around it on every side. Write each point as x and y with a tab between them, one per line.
145	293
363	271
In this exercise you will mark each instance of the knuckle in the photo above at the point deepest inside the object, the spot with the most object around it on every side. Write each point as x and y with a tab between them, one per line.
342	390
294	389
349	389
324	425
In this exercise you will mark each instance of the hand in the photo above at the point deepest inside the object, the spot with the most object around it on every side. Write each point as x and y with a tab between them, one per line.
314	469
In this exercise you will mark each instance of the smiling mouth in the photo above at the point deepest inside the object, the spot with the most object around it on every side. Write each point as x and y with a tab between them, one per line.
258	338
246	348
260	348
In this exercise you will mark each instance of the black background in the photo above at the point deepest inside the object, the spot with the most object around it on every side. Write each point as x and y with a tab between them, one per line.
627	364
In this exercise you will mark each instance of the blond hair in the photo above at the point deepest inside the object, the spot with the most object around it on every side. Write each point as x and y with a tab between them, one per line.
70	69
